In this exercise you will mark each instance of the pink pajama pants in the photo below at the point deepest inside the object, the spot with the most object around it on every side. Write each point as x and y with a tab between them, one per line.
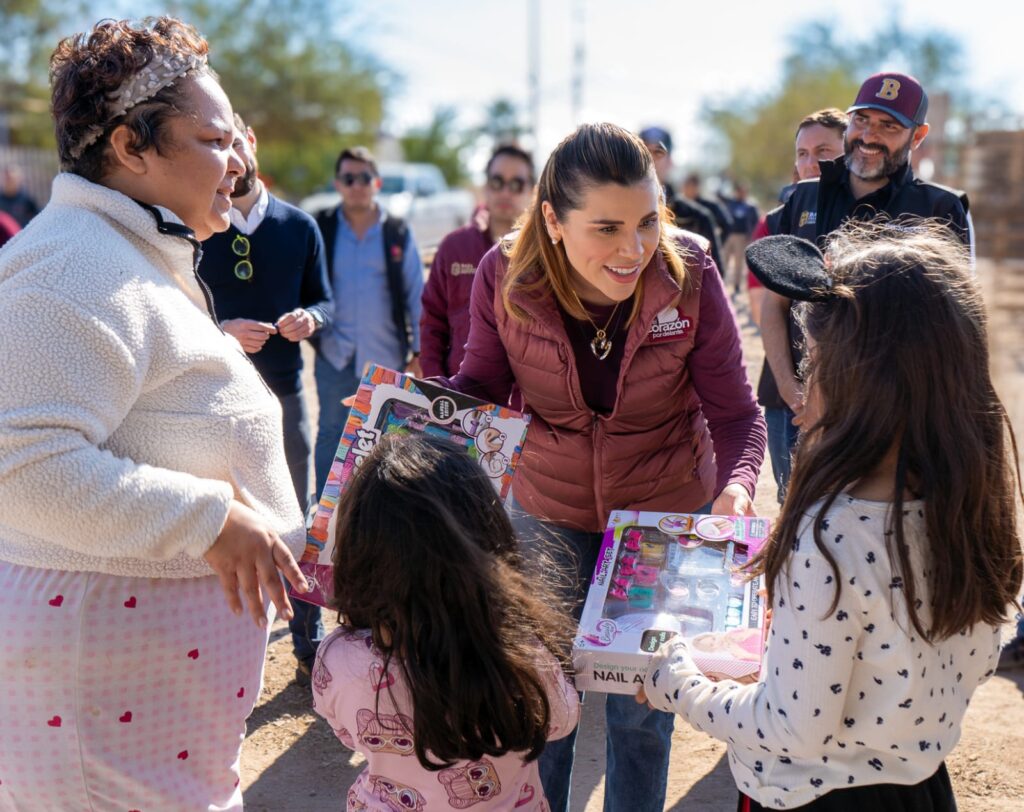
121	694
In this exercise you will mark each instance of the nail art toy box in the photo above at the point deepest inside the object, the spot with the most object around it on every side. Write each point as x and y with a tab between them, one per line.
388	402
664	574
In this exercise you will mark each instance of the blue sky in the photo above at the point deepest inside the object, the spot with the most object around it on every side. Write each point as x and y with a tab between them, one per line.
648	60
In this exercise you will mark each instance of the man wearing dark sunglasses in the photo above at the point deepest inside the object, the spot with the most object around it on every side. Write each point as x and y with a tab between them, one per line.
444	326
268	277
376	276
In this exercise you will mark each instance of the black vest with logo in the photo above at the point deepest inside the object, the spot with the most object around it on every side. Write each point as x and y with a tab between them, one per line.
818	207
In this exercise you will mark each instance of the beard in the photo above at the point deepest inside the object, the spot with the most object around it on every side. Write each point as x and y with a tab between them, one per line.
247	182
890	164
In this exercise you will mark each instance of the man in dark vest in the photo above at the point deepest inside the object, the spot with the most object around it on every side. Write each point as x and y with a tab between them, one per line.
873	178
376	276
268	277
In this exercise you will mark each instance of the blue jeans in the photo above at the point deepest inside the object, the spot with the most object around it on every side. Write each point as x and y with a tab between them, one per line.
782	436
306	627
331	387
297	447
638	740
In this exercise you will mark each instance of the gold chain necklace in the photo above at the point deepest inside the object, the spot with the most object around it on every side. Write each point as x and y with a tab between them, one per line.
600	344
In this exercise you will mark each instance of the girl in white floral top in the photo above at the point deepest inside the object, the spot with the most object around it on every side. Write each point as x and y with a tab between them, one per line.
896	557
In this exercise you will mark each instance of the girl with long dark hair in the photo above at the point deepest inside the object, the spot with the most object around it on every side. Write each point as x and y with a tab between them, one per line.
446	672
896	557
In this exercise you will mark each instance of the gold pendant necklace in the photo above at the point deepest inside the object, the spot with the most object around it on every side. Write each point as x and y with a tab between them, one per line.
600	344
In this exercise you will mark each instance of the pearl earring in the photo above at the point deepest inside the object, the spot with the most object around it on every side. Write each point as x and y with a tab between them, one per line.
554	240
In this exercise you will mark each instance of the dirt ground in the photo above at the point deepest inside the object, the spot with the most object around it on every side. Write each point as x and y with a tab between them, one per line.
291	761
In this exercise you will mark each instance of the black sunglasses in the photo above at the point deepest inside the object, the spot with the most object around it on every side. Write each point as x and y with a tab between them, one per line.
514	185
243	268
352	178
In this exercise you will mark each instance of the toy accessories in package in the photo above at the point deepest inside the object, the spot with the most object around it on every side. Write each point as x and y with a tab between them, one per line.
664	574
389	402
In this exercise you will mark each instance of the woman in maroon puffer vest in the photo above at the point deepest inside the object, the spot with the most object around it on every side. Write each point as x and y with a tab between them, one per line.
614	328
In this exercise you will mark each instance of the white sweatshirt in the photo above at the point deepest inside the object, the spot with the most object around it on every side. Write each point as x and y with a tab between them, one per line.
851	698
128	420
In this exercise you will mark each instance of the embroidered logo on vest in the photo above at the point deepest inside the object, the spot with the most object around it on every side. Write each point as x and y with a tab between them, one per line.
670	324
462	269
808	218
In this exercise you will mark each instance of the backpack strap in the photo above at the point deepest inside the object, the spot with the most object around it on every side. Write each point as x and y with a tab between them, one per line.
396	239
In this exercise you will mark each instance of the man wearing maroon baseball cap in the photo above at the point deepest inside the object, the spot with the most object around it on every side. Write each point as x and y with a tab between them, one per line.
873	178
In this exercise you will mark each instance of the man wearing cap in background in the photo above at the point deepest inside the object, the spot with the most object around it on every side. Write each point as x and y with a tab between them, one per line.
689	214
873	177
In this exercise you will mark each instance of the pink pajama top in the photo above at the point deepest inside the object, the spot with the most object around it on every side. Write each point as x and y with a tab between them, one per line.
348	684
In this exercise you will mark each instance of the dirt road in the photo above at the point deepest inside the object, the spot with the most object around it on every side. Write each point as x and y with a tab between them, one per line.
291	761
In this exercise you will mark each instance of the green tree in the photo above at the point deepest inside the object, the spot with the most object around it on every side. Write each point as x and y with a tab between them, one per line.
821	70
31	30
294	77
441	143
501	122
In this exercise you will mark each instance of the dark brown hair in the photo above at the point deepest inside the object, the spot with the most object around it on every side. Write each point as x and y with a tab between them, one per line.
831	118
594	155
512	151
356	154
900	367
86	68
426	559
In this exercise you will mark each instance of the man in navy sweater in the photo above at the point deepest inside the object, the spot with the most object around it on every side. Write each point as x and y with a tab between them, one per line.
268	276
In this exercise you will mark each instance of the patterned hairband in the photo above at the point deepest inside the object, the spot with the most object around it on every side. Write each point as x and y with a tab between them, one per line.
162	70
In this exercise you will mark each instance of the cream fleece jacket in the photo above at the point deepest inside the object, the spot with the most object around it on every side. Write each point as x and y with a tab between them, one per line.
128	420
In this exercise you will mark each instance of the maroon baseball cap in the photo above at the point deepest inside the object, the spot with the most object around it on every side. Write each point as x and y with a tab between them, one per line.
897	94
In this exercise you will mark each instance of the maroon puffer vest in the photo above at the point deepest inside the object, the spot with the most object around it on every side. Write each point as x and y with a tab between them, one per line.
653	452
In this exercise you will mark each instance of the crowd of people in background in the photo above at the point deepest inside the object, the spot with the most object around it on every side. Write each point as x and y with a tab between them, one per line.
160	402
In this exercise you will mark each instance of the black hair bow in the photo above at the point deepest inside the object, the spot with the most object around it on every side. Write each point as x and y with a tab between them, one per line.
790	266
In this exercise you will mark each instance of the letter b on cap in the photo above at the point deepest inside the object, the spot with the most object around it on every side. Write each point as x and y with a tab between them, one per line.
890	90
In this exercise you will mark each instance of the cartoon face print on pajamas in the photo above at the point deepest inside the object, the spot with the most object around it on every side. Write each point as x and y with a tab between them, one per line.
474	783
397	797
353	804
321	676
385	733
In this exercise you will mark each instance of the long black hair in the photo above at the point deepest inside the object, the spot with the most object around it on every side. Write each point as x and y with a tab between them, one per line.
901	365
427	560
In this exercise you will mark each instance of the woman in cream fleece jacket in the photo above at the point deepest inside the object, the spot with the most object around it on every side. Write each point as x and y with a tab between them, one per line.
142	471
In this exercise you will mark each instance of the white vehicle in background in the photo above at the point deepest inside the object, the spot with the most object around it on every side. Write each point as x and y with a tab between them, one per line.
419	195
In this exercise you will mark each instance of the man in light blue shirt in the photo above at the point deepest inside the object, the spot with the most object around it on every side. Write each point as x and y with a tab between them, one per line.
375	320
376	276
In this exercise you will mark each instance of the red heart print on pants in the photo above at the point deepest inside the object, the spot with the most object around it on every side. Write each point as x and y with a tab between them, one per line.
125	717
56	601
183	755
194	654
54	722
130	603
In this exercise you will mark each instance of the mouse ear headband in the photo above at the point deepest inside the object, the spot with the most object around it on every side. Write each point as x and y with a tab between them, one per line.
790	266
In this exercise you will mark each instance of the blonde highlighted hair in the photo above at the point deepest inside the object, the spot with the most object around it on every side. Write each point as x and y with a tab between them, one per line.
593	155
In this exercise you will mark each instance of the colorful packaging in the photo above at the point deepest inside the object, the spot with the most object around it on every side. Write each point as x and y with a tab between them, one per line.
389	402
664	574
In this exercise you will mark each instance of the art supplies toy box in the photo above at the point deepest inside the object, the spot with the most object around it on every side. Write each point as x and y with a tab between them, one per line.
664	574
389	402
